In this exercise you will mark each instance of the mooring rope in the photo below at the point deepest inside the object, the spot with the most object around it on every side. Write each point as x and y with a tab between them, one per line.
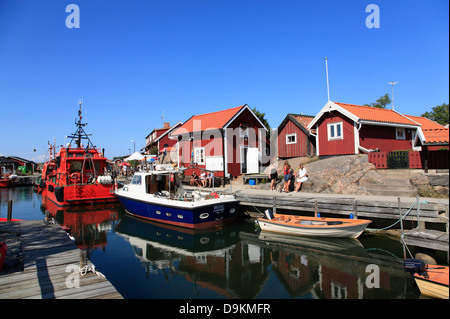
400	219
90	268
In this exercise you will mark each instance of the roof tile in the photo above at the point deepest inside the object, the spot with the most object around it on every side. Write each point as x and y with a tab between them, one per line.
370	113
209	120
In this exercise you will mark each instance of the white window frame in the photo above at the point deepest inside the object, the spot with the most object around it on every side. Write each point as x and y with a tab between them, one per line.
331	128
199	155
291	135
243	131
403	135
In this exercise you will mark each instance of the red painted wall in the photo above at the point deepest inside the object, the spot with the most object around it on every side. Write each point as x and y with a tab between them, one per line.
384	138
235	141
213	144
344	146
293	150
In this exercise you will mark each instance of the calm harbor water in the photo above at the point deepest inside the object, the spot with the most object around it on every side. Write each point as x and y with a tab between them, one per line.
151	260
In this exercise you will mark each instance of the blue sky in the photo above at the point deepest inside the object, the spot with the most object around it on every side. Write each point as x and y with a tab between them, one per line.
132	61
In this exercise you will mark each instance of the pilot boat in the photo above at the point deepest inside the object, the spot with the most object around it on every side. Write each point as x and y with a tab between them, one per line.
158	195
77	175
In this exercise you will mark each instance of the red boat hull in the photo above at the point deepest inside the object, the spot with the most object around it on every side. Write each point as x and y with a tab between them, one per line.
5	183
3	249
81	194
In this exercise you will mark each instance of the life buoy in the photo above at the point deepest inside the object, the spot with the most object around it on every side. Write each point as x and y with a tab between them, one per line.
75	177
215	195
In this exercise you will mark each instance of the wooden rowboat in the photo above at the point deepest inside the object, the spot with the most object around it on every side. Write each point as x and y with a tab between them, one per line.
312	226
432	280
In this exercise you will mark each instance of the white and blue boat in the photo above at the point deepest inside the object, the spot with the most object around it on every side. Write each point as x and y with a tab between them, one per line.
158	195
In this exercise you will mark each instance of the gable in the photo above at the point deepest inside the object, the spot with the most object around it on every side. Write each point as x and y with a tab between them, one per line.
214	120
300	121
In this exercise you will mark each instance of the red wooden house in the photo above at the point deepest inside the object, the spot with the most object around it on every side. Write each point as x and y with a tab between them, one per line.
294	139
344	129
226	142
159	138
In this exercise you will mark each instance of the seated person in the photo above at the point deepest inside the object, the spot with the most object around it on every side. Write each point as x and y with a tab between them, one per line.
194	179
301	177
203	178
210	179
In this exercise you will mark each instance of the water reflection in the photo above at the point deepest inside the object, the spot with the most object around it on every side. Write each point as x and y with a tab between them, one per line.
237	262
88	224
153	260
212	259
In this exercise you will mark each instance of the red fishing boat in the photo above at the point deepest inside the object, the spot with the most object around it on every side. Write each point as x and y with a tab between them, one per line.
6	179
77	175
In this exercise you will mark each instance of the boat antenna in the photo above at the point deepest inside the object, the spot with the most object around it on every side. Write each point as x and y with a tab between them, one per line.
80	134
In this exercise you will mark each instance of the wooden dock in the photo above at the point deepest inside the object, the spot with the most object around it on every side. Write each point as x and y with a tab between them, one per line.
359	206
390	209
50	266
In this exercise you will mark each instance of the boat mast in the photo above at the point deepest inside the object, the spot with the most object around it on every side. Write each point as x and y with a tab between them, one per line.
80	133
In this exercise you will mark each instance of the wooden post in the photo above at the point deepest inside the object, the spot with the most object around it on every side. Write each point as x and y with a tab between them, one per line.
401	226
83	258
420	224
274	205
355	209
446	215
9	215
316	208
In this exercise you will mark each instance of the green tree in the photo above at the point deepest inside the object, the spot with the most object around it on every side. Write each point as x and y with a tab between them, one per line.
439	114
262	118
382	102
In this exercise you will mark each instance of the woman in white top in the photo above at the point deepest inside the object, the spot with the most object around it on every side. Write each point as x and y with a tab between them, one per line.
203	178
301	177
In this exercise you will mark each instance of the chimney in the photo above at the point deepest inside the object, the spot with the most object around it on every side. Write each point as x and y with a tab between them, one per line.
166	125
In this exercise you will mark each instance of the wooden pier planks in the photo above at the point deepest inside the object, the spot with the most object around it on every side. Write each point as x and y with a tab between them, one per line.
345	205
47	253
428	238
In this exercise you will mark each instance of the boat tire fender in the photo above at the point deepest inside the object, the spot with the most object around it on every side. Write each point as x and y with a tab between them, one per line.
75	177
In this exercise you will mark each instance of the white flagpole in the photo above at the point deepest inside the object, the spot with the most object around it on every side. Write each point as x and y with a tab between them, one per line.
328	86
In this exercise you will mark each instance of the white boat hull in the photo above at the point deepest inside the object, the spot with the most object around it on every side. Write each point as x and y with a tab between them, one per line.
338	231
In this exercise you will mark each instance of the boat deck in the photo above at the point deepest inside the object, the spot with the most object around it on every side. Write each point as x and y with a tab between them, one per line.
49	259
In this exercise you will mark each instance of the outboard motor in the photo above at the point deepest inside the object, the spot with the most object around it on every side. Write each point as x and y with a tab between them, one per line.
414	266
268	214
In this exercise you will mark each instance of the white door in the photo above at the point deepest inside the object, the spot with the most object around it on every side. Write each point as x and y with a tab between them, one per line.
252	160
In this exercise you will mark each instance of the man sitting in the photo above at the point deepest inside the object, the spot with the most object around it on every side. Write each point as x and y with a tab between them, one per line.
194	179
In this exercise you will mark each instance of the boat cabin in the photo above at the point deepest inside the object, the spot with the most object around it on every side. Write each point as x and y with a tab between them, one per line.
78	165
161	182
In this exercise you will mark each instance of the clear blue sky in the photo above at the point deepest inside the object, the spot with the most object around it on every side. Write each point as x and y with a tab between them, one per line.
131	61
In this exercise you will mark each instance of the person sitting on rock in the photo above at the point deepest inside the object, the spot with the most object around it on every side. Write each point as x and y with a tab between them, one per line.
302	176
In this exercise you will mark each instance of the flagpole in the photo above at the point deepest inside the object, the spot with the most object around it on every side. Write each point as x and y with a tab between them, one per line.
328	85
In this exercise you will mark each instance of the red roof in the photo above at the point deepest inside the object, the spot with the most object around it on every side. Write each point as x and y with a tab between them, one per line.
375	114
215	120
425	123
436	136
303	120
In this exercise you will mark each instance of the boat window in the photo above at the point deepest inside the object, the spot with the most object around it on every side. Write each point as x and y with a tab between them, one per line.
76	166
136	180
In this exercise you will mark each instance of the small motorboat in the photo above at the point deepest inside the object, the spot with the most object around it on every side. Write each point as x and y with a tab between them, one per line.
312	226
158	195
432	280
